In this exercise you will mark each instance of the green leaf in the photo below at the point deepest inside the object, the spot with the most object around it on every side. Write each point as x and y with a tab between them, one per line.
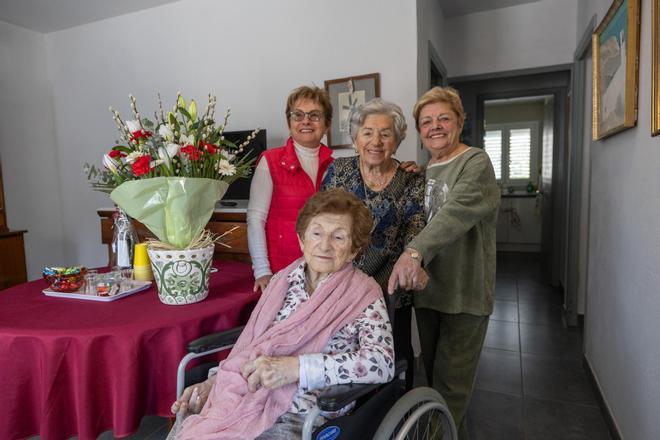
185	113
173	122
122	148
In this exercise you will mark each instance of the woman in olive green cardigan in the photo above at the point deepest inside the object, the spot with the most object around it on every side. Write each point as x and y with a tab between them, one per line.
456	249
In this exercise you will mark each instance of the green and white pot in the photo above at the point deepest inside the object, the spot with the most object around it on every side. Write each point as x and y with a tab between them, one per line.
182	277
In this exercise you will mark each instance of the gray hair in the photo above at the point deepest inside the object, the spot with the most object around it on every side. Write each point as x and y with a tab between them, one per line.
378	106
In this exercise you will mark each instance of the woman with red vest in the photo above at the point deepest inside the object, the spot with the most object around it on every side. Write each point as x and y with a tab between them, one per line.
285	177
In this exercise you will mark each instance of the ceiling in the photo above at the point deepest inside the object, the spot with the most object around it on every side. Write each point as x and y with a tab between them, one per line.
452	8
54	15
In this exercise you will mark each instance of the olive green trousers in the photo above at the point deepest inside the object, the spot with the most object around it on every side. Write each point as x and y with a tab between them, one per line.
451	346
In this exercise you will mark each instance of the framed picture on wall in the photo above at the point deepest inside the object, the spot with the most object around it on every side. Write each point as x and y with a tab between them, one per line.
655	63
615	49
345	94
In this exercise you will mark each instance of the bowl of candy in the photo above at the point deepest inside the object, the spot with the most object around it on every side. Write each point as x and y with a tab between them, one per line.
65	279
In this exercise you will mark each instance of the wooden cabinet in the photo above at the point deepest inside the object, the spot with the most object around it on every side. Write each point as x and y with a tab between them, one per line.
221	221
12	259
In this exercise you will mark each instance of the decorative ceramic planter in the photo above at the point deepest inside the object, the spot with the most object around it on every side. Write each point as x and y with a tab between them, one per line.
182	277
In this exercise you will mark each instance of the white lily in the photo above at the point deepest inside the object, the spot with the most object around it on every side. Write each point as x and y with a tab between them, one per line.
155	163
164	156
133	156
187	140
110	164
172	149
225	168
133	126
166	132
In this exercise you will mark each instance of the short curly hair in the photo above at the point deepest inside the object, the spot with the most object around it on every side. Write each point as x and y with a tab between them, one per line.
313	94
447	95
339	201
378	106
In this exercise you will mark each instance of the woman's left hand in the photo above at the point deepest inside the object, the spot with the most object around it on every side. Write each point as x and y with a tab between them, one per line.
407	274
271	372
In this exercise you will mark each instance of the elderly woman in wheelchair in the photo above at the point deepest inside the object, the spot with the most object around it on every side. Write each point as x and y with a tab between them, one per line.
320	322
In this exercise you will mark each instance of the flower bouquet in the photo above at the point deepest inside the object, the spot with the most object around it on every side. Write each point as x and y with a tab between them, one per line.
169	174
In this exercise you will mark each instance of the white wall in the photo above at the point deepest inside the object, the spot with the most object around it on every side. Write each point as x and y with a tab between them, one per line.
250	53
623	299
519	37
430	31
28	148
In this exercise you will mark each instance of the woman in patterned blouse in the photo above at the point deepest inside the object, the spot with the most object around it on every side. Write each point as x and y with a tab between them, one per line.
320	322
394	197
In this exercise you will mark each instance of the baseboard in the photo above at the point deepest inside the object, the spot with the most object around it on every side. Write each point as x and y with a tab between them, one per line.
602	403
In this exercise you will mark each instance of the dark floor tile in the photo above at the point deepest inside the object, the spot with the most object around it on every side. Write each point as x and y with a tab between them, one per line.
505	311
540	313
545	420
502	335
556	379
565	343
506	293
540	295
495	416
499	370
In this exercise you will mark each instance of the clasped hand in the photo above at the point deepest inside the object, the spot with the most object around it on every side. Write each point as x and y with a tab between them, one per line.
407	274
265	371
271	372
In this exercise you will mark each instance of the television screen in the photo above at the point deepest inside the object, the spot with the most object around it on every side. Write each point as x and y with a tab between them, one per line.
240	189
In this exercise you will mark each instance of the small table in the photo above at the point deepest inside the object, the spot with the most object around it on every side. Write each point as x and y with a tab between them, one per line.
73	367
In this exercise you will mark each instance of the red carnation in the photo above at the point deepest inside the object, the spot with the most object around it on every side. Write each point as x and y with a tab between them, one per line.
116	153
141	165
192	152
212	149
140	134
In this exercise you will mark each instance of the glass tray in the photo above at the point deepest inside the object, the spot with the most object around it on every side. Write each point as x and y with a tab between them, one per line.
138	286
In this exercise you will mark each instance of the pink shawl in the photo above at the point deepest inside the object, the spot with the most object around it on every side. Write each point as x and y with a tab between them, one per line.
231	411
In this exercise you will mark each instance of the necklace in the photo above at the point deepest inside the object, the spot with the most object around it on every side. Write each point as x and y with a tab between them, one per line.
377	184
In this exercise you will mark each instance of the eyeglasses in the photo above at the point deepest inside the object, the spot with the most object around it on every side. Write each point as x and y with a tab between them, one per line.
299	115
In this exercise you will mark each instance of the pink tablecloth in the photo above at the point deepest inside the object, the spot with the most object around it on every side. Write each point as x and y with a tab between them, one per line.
74	367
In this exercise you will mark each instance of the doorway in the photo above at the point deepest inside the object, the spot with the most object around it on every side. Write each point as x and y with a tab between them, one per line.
548	89
518	135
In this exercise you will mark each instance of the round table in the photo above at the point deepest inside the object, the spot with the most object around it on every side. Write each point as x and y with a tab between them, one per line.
74	367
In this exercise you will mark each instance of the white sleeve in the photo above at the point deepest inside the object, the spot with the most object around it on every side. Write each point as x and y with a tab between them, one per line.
261	193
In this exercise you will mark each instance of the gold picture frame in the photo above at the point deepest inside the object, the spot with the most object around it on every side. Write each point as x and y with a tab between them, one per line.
655	63
615	53
345	94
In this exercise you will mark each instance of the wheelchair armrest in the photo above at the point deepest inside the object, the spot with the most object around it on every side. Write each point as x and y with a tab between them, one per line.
338	396
215	340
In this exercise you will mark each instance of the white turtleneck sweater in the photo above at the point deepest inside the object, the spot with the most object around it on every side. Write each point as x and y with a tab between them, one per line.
261	193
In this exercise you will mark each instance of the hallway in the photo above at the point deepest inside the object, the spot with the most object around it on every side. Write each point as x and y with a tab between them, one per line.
531	383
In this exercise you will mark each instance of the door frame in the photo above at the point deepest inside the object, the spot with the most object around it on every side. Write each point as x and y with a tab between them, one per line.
574	185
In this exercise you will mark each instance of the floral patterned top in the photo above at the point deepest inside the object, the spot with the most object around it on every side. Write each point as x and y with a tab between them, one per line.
360	352
398	212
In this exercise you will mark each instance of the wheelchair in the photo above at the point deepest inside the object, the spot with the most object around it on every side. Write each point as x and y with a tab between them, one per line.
382	411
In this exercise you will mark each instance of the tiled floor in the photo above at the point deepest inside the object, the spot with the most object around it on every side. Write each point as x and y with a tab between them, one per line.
531	382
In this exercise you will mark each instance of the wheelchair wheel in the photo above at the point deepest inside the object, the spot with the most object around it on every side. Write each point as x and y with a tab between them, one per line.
420	414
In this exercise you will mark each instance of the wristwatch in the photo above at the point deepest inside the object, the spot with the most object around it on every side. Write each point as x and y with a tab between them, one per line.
415	255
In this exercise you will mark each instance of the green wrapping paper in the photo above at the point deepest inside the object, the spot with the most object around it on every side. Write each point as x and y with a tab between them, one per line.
175	209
